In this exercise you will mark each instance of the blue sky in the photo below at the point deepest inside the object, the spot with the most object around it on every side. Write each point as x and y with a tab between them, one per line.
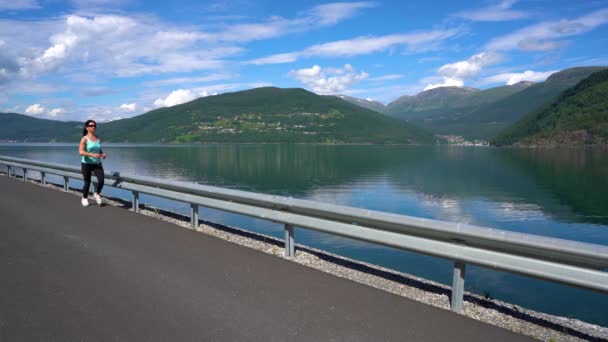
115	59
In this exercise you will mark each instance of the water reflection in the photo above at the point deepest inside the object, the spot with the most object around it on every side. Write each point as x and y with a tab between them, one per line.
576	177
473	185
448	183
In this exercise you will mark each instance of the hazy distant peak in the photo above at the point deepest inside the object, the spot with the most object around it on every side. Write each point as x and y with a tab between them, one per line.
522	84
450	89
365	103
346	97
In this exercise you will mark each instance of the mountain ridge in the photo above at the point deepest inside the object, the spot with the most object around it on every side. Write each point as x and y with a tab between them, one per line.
485	119
271	114
266	114
447	98
579	116
20	127
368	104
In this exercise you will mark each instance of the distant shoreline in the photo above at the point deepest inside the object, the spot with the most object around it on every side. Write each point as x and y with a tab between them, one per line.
176	144
553	146
213	143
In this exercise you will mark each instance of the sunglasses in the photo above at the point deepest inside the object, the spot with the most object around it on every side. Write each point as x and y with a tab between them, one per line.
91	125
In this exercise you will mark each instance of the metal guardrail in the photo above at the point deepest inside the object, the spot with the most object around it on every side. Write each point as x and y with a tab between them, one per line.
573	263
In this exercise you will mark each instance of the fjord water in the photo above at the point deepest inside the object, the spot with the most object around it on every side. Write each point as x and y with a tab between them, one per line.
551	192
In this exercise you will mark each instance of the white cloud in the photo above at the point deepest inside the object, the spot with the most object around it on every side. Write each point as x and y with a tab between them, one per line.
531	44
317	17
12	5
35	109
328	80
109	45
77	31
454	74
361	46
9	67
30	87
447	82
55	112
279	58
540	37
129	107
183	80
429	59
499	12
390	77
543	36
513	78
249	32
97	91
38	109
366	45
180	96
176	97
332	13
93	3
52	57
469	67
132	45
173	63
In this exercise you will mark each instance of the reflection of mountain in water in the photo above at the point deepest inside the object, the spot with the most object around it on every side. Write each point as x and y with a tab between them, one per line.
566	185
577	177
292	170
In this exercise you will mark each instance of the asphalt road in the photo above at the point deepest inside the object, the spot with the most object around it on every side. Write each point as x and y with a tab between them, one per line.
69	273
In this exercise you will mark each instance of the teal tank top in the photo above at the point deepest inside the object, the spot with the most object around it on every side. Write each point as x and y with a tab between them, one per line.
92	147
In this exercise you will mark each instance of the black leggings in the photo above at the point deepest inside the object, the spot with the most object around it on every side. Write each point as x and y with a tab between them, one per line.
87	169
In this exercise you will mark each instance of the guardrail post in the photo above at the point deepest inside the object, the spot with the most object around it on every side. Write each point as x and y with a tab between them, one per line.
25	175
135	201
458	287
289	241
66	183
194	215
43	178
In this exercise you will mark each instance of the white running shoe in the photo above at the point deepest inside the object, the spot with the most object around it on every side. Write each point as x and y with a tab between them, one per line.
85	202
97	198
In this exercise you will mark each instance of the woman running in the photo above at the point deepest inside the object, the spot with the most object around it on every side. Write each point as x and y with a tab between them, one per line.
90	150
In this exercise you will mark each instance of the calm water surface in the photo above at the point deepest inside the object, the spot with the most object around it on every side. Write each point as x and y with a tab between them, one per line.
558	193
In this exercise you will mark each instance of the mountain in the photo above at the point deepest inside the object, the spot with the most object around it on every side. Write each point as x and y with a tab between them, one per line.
448	101
442	98
481	114
18	127
516	106
486	120
578	116
265	115
368	104
256	115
